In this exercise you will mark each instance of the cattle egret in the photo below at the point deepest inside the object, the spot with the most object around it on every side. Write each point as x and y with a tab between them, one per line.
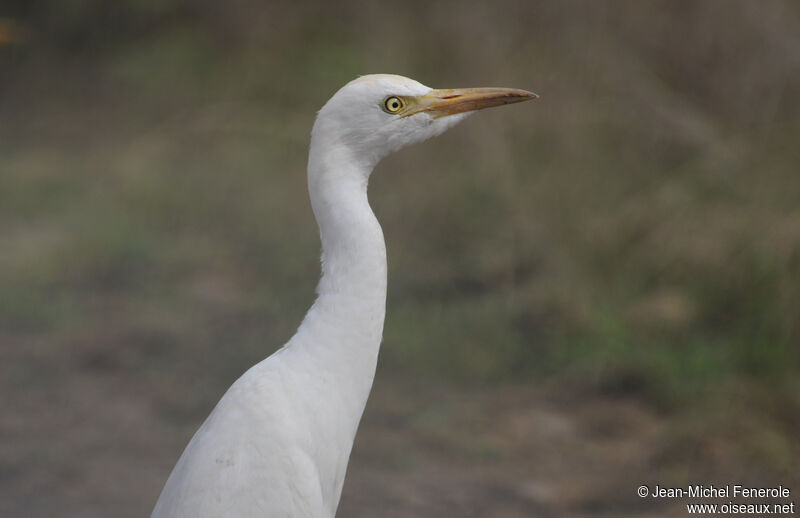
278	442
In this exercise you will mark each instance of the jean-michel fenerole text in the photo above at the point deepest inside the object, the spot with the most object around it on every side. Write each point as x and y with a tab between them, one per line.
722	491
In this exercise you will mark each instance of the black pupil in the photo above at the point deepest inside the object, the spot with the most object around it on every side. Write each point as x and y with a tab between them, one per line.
395	105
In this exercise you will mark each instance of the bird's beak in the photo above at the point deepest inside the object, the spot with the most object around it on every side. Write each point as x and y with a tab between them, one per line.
439	103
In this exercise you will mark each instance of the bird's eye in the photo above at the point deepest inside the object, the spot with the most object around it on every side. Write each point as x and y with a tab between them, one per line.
393	104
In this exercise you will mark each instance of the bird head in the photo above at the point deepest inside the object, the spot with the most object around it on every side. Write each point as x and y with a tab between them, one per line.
377	114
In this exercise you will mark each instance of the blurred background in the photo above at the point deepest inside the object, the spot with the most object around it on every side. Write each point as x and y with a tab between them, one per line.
587	293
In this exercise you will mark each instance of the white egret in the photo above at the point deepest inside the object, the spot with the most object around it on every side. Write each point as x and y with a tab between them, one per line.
278	442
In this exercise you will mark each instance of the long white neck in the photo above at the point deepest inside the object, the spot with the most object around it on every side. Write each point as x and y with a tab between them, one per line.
342	331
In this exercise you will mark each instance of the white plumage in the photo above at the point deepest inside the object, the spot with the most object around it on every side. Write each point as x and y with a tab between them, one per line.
278	442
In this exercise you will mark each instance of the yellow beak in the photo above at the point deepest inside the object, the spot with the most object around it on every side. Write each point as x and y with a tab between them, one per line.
439	103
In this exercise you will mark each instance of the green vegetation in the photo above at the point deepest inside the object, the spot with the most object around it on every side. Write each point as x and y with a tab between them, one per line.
639	226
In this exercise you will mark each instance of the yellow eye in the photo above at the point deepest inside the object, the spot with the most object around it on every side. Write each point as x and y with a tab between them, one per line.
393	104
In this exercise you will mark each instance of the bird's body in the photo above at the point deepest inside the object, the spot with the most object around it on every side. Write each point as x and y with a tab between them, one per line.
278	442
